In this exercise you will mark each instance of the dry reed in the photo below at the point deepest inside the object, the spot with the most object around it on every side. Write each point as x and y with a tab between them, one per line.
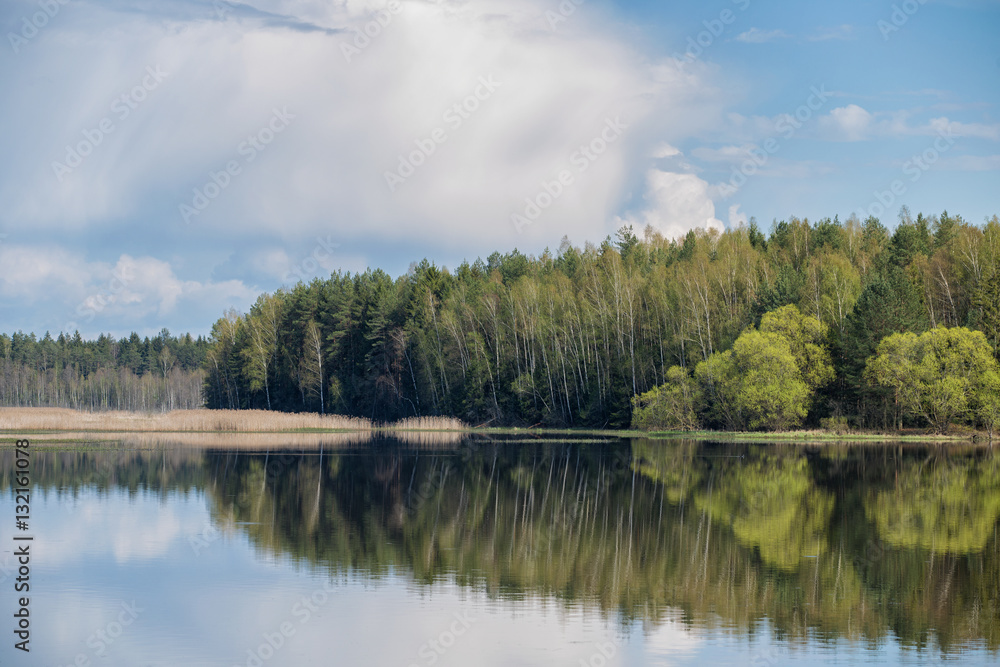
21	420
250	442
427	424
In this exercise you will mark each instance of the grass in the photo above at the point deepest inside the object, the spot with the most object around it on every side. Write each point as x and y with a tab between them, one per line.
25	420
817	436
814	435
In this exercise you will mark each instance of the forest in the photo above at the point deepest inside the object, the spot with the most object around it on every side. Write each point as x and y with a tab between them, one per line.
575	337
633	331
150	374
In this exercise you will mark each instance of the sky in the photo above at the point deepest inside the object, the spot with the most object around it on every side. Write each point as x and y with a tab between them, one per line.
166	160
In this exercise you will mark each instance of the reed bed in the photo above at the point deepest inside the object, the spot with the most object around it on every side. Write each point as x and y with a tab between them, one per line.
22	420
211	440
427	424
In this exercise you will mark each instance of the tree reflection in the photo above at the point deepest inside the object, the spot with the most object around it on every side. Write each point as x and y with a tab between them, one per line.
948	506
854	542
771	503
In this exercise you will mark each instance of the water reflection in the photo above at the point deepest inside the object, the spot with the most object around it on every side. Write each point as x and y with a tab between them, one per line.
815	547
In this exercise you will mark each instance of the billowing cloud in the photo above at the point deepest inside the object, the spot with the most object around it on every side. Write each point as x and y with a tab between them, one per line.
290	118
89	296
238	133
736	216
34	271
676	204
212	142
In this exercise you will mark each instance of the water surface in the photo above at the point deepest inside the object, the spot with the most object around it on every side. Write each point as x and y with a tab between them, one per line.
503	551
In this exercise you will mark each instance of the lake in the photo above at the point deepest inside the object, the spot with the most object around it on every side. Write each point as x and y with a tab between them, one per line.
496	551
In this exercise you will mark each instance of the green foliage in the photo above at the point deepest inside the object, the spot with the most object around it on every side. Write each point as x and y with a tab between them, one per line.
262	324
909	240
768	379
805	336
671	406
627	241
757	238
987	300
943	375
773	394
945	228
720	385
785	289
888	304
988	402
874	236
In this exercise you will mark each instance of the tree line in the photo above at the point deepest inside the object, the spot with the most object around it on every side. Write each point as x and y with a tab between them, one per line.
131	373
575	337
770	377
571	337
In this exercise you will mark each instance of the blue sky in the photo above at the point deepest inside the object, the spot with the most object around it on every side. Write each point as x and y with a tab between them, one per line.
168	160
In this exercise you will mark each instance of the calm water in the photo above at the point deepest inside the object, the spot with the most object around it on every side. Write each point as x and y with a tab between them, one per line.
508	552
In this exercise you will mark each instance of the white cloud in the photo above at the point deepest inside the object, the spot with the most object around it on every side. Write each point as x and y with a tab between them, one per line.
758	36
854	123
724	154
150	288
955	128
738	133
677	203
665	150
272	262
736	217
353	120
28	271
323	174
850	123
88	294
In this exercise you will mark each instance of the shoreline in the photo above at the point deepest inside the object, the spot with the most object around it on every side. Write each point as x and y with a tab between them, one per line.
64	423
808	439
